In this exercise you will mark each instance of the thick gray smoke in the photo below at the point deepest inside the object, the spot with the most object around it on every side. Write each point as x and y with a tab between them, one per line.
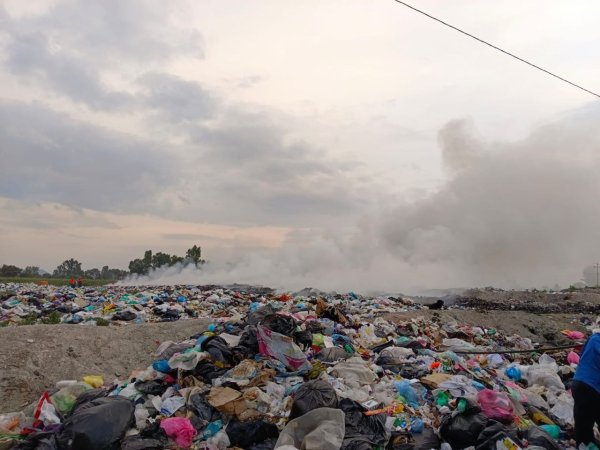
512	214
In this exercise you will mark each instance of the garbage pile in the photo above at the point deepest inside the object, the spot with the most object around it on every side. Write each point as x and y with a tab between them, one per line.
24	304
277	372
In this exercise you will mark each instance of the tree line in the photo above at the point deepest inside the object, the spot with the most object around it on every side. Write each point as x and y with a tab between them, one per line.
71	268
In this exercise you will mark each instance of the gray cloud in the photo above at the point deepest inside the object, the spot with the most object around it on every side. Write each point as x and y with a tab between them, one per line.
29	54
73	44
177	100
48	156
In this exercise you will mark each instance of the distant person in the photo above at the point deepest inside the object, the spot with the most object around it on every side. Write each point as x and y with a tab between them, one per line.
79	282
72	282
586	391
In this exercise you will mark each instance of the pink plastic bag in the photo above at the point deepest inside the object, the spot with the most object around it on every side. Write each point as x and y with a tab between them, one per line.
573	358
574	335
496	405
180	429
282	348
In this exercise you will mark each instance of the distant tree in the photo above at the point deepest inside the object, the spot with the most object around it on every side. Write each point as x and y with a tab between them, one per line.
194	254
136	266
94	274
31	271
68	268
104	273
175	259
160	259
9	270
147	261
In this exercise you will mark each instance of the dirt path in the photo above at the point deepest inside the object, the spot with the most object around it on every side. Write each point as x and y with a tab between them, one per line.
34	357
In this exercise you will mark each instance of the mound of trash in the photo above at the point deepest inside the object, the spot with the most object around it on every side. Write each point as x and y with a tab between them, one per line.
302	373
25	304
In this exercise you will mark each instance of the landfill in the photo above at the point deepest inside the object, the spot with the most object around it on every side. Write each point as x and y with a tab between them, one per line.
297	372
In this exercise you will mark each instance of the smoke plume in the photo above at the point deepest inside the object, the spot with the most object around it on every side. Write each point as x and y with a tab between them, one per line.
511	214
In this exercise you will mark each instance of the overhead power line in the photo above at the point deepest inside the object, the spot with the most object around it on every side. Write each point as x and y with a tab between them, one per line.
497	48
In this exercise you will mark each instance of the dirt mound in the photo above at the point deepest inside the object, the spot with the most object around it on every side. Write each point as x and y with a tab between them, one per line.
35	357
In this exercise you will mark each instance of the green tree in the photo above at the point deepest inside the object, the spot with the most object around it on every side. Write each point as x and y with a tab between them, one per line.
136	266
31	271
194	254
68	268
175	259
9	270
160	259
105	272
94	274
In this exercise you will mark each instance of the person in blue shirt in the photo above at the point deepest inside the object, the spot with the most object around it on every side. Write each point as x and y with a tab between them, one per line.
586	391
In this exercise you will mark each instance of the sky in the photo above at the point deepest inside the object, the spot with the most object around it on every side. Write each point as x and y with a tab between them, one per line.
338	144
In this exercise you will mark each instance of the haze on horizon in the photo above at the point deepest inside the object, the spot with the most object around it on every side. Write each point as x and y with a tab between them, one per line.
340	144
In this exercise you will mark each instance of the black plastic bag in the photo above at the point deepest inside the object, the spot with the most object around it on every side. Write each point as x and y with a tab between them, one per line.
362	432
269	444
537	436
249	338
257	316
203	409
126	316
99	424
153	387
245	434
303	339
493	432
463	430
218	349
426	440
140	443
401	440
312	395
207	371
279	324
38	441
88	396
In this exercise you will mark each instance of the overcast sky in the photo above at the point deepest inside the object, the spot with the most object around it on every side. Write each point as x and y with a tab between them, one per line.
257	126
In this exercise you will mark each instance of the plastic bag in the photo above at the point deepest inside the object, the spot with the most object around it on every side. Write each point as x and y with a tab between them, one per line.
313	395
463	429
411	392
458	345
320	429
539	436
496	405
180	429
354	369
362	431
94	381
282	348
544	375
65	398
45	410
573	358
246	434
97	425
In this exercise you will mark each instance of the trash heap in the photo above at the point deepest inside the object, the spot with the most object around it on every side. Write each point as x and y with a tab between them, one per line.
24	304
313	374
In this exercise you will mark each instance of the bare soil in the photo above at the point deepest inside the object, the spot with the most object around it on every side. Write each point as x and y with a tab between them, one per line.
34	357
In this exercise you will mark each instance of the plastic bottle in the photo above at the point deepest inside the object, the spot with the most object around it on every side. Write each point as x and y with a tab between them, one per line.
211	429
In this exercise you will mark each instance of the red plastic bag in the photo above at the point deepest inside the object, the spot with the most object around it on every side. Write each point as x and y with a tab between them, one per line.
496	405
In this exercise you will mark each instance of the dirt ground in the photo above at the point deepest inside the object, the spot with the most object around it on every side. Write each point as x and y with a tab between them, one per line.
33	358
